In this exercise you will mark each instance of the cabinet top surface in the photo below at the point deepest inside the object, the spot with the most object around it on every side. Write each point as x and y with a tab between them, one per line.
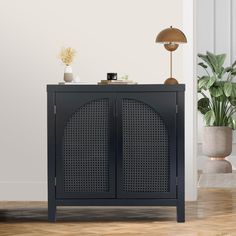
115	88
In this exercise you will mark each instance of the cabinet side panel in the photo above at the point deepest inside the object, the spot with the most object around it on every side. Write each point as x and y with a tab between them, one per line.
180	159
51	155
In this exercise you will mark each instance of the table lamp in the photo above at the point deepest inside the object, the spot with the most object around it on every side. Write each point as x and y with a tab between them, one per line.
171	37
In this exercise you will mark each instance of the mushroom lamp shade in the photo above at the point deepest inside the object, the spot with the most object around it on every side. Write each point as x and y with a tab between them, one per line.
171	38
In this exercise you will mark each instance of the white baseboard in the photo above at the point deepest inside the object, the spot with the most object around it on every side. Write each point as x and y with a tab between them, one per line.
23	191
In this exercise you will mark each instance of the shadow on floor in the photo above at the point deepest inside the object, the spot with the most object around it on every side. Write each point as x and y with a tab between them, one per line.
95	214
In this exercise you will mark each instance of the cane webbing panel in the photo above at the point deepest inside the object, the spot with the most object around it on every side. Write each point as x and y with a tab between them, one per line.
86	145
146	162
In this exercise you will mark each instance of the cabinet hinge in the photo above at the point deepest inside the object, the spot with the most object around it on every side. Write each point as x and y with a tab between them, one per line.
55	181
176	181
176	108
55	109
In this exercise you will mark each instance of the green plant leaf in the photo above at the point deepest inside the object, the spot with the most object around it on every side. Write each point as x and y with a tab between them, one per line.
203	105
216	91
227	89
229	68
233	93
209	118
202	65
205	59
232	123
202	82
210	82
213	60
221	98
234	64
232	101
233	72
220	60
222	72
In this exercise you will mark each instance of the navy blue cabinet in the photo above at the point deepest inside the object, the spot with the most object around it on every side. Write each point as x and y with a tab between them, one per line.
115	145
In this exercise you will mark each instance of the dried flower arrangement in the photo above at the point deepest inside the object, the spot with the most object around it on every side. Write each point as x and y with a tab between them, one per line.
67	55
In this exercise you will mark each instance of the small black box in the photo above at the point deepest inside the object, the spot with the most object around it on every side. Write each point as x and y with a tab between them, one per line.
111	76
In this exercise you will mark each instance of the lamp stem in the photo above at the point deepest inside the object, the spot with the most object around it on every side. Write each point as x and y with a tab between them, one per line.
171	64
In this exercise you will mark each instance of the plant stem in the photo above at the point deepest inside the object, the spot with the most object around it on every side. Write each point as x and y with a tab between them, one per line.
204	95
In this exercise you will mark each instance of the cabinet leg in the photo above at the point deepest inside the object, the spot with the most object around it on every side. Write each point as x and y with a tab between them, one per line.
180	212
52	212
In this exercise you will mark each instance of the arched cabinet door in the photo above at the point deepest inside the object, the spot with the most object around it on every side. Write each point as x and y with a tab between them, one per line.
146	157
85	152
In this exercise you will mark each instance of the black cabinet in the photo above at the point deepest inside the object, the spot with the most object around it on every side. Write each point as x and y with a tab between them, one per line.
115	145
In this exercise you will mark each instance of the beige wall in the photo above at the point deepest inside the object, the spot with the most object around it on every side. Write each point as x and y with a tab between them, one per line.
109	35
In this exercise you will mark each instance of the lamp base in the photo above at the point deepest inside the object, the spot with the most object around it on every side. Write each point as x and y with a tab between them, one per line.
171	81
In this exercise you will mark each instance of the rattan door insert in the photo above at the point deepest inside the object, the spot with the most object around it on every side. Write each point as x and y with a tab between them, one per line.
87	151
146	143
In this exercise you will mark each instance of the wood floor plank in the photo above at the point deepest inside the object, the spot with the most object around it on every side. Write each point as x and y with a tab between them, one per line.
213	214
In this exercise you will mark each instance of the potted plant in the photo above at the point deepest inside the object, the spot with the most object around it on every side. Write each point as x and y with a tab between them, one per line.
67	56
217	103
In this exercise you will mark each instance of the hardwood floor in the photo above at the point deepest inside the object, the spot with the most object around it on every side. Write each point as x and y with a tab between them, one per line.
213	214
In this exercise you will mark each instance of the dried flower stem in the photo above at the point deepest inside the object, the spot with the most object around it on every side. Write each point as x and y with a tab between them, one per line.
67	55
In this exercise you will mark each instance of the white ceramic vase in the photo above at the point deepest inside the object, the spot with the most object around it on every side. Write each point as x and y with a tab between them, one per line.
68	74
217	144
